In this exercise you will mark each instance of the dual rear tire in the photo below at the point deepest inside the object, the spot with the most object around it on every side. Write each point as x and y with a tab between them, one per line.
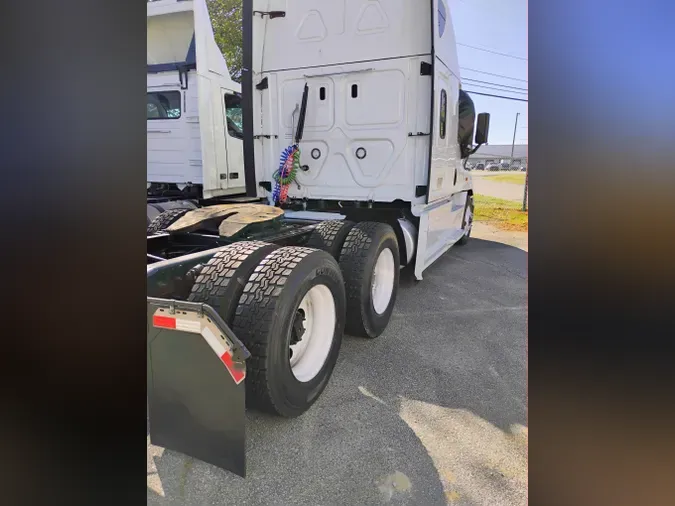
287	305
165	219
368	255
291	305
291	317
370	263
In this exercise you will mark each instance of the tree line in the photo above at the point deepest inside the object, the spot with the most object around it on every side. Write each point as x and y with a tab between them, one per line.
226	22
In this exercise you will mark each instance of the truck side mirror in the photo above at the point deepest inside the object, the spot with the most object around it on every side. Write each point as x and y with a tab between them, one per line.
482	128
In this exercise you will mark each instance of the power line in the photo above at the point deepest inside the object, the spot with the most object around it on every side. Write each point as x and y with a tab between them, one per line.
498	89
496	75
498	96
491	51
494	84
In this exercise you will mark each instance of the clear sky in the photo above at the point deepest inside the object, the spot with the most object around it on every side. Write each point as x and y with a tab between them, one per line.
501	26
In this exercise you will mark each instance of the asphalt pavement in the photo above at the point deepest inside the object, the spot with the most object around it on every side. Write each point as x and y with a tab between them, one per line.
432	412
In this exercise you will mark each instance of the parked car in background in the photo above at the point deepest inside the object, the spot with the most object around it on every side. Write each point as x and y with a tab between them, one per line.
479	166
492	167
504	166
523	168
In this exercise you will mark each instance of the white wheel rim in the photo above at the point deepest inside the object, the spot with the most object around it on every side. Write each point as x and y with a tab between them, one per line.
383	281
468	220
309	354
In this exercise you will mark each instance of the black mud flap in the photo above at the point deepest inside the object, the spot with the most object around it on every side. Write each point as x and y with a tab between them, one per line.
196	372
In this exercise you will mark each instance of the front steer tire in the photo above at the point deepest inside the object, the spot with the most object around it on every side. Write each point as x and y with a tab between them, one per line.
467	221
360	252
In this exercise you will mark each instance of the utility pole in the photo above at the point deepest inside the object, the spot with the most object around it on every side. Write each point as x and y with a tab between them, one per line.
513	144
527	169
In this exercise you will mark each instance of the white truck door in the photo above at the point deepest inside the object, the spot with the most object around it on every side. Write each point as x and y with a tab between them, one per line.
441	222
445	154
234	135
168	137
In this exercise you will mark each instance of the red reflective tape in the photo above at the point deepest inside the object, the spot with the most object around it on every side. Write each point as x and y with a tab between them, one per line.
237	374
164	322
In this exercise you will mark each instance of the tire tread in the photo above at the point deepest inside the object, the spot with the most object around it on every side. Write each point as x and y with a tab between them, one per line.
254	318
234	263
330	235
164	219
354	258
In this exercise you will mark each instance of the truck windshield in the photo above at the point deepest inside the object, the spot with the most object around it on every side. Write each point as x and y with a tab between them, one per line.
164	105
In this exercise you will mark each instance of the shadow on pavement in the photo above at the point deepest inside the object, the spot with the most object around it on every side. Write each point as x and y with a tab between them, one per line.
408	418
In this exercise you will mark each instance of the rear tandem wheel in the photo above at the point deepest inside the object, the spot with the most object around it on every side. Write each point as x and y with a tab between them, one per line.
220	282
291	318
330	235
165	219
370	266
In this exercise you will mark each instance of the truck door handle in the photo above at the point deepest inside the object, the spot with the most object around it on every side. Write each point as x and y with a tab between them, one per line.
159	131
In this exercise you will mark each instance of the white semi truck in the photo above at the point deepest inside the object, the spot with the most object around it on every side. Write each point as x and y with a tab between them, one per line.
286	208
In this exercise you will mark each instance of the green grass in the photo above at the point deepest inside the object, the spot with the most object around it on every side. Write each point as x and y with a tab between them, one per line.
503	214
511	177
